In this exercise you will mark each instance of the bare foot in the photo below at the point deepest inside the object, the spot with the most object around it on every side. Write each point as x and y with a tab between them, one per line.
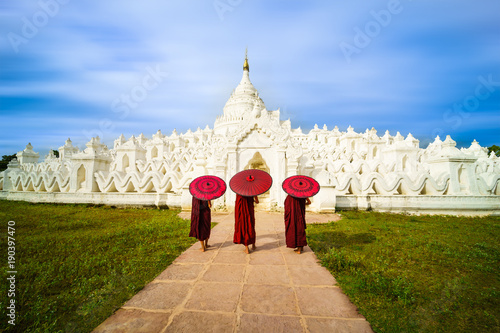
299	250
253	247
202	249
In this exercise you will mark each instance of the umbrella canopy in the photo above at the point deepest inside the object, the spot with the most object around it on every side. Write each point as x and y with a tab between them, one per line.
300	186
207	187
251	182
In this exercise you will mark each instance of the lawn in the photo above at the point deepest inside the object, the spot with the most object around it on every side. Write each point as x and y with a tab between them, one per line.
76	264
415	273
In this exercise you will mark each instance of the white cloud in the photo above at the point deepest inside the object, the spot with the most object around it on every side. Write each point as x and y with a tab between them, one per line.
426	59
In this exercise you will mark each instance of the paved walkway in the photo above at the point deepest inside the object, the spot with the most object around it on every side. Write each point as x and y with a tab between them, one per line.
273	289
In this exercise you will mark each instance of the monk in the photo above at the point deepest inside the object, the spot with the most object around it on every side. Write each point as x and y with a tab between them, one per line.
201	221
244	217
295	222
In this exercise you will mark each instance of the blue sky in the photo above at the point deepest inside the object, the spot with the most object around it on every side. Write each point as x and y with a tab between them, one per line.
79	69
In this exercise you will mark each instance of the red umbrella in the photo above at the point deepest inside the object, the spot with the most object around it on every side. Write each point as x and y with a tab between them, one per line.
207	187
251	182
300	186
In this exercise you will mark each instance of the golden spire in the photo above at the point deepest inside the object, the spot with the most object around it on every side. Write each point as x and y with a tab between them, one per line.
245	65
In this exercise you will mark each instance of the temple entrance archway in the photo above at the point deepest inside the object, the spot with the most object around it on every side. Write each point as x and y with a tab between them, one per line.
259	163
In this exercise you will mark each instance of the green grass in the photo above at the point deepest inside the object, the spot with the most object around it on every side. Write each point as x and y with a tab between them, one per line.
77	264
415	273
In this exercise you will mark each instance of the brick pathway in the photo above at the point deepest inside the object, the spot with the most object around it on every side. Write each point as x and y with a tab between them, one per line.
225	290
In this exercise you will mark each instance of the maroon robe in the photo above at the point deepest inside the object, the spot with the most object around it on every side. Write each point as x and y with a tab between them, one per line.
200	220
244	218
295	222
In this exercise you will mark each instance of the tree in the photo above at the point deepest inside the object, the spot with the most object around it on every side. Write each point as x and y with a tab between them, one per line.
5	161
494	149
56	153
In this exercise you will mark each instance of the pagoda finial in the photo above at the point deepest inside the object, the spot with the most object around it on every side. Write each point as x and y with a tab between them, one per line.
245	65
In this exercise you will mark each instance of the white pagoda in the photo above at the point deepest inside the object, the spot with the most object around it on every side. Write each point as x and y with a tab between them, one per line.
355	170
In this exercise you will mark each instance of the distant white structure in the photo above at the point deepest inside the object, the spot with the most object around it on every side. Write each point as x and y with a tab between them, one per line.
355	170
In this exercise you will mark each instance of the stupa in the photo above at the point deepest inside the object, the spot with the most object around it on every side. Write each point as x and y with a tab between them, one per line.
355	170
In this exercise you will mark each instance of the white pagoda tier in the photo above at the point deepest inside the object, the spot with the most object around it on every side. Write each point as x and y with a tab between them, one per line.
355	170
